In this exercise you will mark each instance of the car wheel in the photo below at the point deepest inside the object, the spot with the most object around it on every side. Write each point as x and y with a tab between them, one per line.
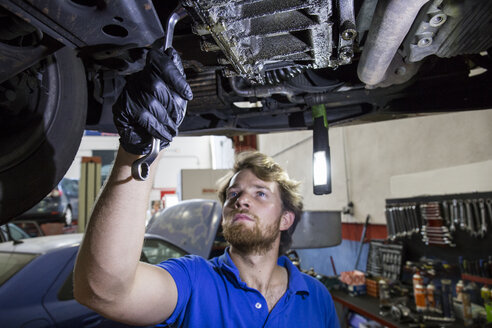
40	129
68	216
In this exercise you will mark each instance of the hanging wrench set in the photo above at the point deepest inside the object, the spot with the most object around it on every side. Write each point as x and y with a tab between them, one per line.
437	219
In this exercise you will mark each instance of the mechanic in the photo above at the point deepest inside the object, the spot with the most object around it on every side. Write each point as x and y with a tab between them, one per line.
250	285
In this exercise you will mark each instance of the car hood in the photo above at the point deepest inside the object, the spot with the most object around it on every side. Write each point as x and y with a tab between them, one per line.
190	225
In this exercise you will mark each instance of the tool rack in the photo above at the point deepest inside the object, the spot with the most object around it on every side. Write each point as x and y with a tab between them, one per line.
384	260
437	219
463	243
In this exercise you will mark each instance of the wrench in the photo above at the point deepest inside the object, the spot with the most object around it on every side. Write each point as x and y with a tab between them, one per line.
416	217
411	215
404	220
389	224
483	228
469	215
476	212
454	215
394	217
445	212
461	208
488	202
141	167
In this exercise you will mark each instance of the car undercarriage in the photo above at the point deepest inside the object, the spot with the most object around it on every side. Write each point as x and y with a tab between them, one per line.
255	66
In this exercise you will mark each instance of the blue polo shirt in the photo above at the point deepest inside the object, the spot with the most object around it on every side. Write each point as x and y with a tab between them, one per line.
211	294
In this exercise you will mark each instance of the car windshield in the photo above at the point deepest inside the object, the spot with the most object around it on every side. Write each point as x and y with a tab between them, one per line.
13	232
11	263
155	251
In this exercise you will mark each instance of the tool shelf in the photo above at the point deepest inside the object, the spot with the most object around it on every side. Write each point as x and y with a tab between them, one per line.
480	280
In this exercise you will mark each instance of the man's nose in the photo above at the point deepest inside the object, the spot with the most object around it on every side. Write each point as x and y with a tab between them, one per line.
242	201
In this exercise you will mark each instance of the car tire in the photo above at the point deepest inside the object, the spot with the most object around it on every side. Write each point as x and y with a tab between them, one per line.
41	146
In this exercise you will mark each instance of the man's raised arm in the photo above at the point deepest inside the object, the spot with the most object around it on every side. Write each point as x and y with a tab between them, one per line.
108	276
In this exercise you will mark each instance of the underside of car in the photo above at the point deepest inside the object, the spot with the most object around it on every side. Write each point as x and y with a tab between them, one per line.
255	66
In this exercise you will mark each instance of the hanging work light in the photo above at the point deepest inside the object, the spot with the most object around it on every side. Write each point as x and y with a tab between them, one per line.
321	152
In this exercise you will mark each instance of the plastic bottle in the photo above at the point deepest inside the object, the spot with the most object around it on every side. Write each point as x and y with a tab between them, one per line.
486	295
467	309
459	291
431	301
420	299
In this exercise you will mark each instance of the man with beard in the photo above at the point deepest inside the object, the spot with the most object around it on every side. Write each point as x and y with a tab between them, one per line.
251	285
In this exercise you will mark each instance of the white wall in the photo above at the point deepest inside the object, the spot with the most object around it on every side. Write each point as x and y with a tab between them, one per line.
87	145
184	153
293	151
201	183
391	159
438	154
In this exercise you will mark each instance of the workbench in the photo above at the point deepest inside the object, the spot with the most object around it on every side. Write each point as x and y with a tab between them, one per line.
368	307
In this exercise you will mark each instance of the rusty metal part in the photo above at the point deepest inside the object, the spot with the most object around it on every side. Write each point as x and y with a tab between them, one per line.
256	35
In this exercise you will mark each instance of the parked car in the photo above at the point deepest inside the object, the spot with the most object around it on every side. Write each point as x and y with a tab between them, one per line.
36	275
11	231
31	227
60	205
254	67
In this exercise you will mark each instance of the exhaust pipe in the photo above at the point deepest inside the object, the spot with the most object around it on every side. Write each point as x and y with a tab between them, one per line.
391	22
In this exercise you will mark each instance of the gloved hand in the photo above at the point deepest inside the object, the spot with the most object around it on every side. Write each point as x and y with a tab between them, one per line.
152	103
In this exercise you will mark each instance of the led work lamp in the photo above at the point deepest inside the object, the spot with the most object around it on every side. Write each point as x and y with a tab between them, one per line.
321	152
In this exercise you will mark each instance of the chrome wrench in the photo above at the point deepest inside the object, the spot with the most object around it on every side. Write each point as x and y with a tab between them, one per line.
483	225
141	167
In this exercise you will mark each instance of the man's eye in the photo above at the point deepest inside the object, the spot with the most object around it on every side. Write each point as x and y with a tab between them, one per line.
231	194
261	194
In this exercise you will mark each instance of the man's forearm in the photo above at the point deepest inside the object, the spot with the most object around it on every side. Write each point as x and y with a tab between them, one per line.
109	255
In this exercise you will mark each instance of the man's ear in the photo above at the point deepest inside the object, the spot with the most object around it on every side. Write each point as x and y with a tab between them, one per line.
286	220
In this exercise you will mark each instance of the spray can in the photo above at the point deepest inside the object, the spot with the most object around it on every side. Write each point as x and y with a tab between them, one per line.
459	291
420	299
384	294
485	292
447	299
467	310
384	298
431	301
417	279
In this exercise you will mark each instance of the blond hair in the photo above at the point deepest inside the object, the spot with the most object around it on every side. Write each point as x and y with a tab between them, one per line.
266	169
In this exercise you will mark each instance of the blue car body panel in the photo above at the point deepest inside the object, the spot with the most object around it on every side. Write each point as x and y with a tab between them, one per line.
31	297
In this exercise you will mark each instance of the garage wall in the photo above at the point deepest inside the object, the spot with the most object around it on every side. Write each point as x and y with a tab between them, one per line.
423	149
293	151
445	153
375	161
207	152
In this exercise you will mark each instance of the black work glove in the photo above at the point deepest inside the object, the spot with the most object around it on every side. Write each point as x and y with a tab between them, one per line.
152	103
